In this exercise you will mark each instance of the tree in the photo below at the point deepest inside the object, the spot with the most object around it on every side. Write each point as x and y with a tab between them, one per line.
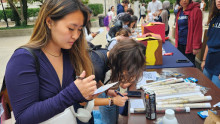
22	14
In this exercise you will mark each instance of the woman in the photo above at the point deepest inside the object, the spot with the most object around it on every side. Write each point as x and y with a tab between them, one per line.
126	63
165	15
89	35
188	32
59	44
111	16
211	59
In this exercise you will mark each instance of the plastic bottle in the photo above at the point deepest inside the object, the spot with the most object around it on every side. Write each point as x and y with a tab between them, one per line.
169	117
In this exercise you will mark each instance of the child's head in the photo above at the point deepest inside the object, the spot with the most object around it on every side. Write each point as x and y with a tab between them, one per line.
127	62
126	32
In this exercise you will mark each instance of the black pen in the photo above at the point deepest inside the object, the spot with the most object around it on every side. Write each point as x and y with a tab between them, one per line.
119	93
80	78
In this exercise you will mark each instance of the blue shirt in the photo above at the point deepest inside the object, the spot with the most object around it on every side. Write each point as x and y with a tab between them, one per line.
182	28
120	9
213	57
36	98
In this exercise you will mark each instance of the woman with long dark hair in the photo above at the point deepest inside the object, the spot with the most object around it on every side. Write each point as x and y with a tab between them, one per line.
211	59
59	44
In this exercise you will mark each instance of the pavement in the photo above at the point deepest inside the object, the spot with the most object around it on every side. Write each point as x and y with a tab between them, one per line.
9	44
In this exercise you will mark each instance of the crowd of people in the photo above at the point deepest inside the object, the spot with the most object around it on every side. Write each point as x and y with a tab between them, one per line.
69	73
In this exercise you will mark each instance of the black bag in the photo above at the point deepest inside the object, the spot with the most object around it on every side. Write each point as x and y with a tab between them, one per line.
4	94
99	59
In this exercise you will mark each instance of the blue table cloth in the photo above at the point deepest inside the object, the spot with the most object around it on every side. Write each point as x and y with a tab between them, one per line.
170	61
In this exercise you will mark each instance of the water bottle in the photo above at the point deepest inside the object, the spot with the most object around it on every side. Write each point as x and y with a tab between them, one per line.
169	117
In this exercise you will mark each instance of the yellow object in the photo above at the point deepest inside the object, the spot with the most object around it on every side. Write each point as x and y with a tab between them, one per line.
152	46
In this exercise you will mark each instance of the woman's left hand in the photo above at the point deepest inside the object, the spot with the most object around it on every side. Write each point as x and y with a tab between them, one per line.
195	51
219	76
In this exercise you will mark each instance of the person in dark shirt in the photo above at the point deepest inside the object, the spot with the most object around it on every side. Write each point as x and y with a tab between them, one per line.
120	7
59	44
211	59
123	22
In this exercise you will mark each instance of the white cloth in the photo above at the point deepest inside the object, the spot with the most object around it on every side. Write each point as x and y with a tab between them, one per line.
111	15
112	44
154	7
201	5
143	10
89	37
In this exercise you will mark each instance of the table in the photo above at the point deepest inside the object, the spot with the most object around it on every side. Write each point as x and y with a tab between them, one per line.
170	61
183	118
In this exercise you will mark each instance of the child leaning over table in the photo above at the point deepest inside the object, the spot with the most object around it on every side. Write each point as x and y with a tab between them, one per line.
126	63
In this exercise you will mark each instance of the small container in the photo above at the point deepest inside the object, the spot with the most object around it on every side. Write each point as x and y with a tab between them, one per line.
150	100
169	117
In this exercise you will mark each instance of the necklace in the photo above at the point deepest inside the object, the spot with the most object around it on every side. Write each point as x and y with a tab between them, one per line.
52	54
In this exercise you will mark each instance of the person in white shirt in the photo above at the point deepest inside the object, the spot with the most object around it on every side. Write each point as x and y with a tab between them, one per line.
143	13
154	9
111	15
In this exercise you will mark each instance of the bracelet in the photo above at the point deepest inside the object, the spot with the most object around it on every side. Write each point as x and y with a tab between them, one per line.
109	101
203	60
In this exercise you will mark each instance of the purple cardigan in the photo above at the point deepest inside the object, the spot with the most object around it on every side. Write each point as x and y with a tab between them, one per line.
36	98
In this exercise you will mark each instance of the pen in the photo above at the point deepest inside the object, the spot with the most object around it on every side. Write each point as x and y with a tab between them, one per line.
80	78
119	93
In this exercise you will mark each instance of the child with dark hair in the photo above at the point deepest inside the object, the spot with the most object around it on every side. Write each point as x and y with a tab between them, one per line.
133	23
211	59
126	62
120	35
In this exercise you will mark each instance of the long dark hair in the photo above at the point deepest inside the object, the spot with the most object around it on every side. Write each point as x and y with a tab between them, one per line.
56	10
127	61
89	25
214	11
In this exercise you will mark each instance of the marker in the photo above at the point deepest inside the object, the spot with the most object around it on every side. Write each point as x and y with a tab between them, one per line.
80	78
119	93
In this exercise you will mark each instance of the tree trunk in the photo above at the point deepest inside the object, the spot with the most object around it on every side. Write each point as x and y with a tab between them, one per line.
23	4
15	15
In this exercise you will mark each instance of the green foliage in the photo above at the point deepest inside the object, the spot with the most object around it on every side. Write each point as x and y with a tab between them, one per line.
96	8
85	1
32	12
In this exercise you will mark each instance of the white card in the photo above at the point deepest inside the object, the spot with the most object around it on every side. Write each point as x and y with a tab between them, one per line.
150	75
104	88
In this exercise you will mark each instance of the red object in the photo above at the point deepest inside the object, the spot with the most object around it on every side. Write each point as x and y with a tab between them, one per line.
168	54
194	37
166	38
156	28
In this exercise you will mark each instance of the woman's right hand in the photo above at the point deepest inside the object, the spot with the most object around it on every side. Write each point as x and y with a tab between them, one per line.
202	65
120	101
86	86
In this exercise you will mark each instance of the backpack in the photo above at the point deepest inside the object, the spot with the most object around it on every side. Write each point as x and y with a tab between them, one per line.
4	94
106	21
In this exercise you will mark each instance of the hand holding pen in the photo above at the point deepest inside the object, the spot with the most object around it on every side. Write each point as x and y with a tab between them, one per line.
120	99
86	85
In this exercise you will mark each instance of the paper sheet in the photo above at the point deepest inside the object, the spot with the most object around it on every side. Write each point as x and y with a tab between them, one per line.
100	30
150	75
104	88
137	103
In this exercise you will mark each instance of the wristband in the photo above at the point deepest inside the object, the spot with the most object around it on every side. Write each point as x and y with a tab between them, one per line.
109	101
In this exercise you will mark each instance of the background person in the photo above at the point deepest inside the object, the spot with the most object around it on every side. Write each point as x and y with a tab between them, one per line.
154	9
61	50
188	34
211	58
120	6
142	13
